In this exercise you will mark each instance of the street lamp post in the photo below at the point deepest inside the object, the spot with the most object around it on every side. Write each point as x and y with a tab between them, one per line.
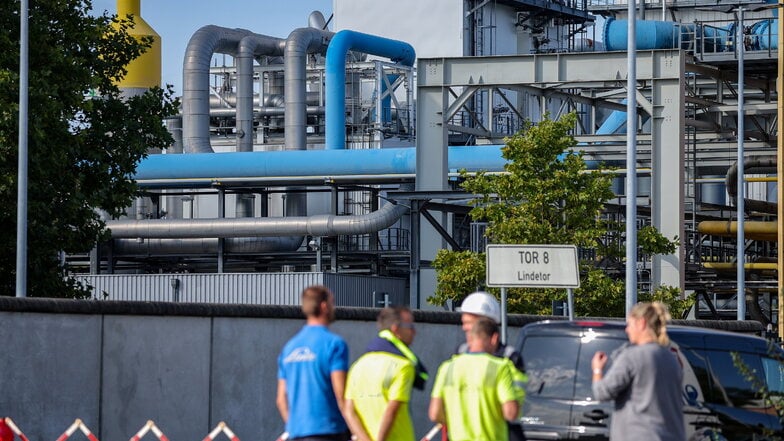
21	193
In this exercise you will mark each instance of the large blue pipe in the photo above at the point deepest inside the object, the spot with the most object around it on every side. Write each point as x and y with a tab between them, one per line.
310	163
765	34
651	34
341	43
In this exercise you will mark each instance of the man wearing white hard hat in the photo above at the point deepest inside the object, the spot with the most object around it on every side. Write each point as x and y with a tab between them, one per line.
482	304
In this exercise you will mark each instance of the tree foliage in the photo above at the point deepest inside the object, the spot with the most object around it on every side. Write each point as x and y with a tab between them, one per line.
84	139
547	196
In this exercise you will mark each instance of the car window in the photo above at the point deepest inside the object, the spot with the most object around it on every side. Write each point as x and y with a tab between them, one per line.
697	372
584	373
550	364
774	376
731	386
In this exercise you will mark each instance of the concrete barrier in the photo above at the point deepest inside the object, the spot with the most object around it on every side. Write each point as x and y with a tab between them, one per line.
116	365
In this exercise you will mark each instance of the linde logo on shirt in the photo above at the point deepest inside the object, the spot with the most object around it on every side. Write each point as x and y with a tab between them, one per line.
300	355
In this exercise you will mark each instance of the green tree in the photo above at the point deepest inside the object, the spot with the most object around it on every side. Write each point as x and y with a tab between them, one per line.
546	197
85	139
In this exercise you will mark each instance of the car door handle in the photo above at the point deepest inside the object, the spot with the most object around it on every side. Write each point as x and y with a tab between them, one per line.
596	414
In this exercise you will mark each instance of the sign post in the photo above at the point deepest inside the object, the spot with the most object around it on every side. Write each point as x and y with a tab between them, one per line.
532	266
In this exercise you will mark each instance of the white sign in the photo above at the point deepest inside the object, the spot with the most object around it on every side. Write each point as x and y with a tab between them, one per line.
532	266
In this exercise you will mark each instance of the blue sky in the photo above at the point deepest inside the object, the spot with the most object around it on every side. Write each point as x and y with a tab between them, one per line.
176	20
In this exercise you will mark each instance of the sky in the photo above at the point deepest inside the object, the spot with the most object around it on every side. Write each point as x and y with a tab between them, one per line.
177	20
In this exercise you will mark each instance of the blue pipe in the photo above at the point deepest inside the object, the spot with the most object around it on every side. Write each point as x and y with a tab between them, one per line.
341	43
653	34
650	34
765	35
310	163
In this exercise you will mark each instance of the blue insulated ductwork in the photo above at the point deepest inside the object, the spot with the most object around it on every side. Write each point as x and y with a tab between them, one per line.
764	35
250	48
652	34
299	163
205	42
341	43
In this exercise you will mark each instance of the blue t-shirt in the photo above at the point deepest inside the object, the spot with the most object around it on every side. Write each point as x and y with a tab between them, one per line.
305	363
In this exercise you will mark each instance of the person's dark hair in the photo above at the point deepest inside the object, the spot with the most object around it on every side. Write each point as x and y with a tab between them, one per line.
312	297
484	327
656	316
390	316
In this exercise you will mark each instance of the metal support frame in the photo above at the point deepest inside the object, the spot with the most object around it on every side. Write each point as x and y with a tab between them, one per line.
661	73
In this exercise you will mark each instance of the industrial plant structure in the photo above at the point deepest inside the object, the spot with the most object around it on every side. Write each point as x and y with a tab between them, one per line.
332	153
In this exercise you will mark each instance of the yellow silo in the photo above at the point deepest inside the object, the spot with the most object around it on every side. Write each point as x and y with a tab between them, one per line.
145	71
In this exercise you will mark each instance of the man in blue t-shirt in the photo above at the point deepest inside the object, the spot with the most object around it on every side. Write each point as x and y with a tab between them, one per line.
312	374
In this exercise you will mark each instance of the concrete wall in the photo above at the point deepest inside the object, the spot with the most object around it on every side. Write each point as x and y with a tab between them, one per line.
116	365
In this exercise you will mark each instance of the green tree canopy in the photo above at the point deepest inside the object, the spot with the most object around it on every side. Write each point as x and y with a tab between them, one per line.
85	139
547	196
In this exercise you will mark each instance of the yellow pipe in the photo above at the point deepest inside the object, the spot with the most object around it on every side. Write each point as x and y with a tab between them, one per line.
145	71
726	266
780	167
762	179
754	230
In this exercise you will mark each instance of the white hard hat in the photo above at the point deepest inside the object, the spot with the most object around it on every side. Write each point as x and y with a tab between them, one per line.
482	303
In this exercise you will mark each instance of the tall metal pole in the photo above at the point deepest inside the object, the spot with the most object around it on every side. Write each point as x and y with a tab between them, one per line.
503	316
21	199
741	247
780	174
631	161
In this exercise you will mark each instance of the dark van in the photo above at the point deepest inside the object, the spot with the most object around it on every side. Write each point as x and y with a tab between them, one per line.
719	403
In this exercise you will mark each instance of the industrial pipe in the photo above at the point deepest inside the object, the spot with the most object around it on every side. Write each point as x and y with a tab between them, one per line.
196	81
760	164
299	44
341	43
754	230
310	163
250	48
652	34
764	34
204	246
316	20
316	225
730	266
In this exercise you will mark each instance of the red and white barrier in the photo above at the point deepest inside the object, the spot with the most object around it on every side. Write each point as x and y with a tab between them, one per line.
146	428
221	427
78	424
11	425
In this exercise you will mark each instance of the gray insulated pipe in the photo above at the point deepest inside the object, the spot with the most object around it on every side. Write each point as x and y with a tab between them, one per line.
316	20
196	82
760	164
299	44
250	48
234	245
318	225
